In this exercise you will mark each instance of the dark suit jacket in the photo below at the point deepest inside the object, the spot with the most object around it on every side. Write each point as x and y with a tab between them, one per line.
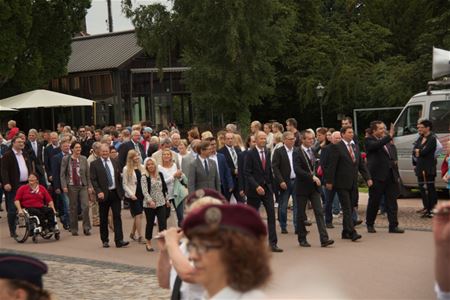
281	166
224	150
426	162
123	152
379	162
198	179
304	172
99	180
36	161
226	180
55	165
10	168
241	167
254	173
49	152
342	171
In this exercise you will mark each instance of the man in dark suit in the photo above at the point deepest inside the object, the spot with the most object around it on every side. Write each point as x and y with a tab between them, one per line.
258	179
283	171
342	175
15	169
51	149
231	154
383	169
55	173
241	166
107	184
34	149
133	144
308	188
425	160
226	181
203	171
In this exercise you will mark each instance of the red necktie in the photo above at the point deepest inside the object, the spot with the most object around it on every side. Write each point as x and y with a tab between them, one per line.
350	150
263	159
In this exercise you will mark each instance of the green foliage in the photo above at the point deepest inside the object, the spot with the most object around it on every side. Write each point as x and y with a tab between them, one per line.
41	47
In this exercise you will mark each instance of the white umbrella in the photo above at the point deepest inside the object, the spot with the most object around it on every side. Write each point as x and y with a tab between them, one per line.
4	108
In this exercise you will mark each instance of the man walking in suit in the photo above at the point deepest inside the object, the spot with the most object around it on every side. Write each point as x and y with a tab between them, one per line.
63	198
308	188
342	175
383	169
34	151
283	171
258	180
16	167
133	144
203	171
226	181
106	181
231	154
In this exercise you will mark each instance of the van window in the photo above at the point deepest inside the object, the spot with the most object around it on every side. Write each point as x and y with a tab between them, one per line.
440	116
407	123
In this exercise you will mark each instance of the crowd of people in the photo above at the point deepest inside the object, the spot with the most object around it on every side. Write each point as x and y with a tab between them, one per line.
89	175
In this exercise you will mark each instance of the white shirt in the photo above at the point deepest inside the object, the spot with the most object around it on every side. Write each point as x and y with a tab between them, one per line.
168	178
111	170
291	161
23	169
228	293
214	158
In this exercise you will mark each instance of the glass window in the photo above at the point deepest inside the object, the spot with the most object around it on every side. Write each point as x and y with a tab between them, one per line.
440	116
407	123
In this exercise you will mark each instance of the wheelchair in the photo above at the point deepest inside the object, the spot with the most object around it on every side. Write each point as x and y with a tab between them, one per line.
30	225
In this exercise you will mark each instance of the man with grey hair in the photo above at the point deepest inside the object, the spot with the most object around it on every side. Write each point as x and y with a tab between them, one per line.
165	143
34	149
133	144
231	128
175	137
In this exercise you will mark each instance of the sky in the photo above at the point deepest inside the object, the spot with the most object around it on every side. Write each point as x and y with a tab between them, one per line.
98	15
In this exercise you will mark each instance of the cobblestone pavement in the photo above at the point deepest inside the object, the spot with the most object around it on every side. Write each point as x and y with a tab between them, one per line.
77	278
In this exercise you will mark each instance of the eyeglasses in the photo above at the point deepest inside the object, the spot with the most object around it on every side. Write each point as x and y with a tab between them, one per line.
201	248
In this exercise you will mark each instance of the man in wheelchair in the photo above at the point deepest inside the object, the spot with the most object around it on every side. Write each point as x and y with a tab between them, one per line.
38	202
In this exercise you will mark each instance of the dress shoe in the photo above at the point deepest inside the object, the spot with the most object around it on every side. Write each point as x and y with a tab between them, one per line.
284	231
421	211
121	244
75	233
396	230
358	222
274	248
355	236
330	225
87	232
105	245
307	223
327	243
304	244
346	236
149	248
371	229
66	227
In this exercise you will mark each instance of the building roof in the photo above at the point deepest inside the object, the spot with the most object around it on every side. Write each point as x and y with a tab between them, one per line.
102	52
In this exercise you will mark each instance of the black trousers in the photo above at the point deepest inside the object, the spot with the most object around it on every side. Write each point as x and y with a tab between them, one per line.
235	191
45	214
427	191
345	198
390	189
316	203
113	202
267	201
150	214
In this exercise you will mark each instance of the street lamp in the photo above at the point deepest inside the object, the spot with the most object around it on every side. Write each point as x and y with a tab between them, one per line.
320	89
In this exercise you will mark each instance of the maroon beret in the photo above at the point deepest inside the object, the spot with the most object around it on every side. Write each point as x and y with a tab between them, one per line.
200	193
21	267
237	217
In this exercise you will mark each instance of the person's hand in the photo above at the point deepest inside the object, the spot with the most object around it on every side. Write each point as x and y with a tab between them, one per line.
242	193
369	182
65	190
133	197
161	241
50	178
21	212
329	186
417	152
445	178
7	187
101	196
167	203
152	204
58	191
90	190
260	190
178	174
173	236
441	226
317	180
392	130
283	185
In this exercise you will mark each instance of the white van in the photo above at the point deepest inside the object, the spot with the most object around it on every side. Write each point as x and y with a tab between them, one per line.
434	106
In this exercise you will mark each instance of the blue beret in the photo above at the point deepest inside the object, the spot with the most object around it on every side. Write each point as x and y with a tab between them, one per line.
21	267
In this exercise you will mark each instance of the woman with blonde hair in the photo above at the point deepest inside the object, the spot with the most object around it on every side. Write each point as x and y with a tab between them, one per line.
154	189
238	142
221	139
132	173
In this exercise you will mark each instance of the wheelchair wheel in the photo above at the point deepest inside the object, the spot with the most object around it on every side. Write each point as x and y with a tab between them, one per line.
22	228
57	236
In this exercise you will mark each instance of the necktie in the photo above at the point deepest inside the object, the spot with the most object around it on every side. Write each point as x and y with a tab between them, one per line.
350	150
206	167
35	148
263	159
75	177
387	150
234	157
311	156
108	174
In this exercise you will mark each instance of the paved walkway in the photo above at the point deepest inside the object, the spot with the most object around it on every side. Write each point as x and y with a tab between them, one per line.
380	266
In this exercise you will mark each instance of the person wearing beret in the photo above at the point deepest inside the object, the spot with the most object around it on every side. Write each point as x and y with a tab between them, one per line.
21	278
228	248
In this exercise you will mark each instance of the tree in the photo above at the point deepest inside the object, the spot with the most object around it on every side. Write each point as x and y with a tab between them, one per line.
230	46
41	50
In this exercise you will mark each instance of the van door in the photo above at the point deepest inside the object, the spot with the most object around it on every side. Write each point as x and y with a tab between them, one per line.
405	136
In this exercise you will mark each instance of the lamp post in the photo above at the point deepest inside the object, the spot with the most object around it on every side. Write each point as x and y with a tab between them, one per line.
320	89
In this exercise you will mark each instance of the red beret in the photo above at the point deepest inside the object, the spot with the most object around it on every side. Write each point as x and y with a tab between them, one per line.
237	217
21	267
200	193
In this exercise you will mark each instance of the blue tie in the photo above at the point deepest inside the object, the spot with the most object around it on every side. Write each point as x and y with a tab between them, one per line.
108	174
